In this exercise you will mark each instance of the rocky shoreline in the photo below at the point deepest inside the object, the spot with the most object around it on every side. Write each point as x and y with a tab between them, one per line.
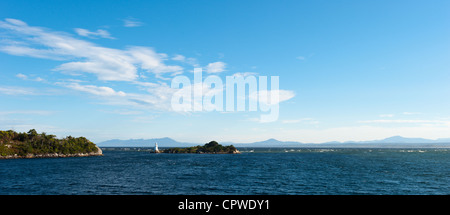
212	147
168	152
54	155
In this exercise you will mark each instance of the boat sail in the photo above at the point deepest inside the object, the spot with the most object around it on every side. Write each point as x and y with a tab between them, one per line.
156	148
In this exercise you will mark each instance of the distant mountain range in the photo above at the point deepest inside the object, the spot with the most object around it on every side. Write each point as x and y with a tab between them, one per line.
395	141
162	142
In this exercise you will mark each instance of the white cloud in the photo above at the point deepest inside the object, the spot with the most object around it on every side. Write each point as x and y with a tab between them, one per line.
132	22
16	22
15	91
189	60
157	97
244	74
216	67
22	76
265	96
20	50
179	57
99	33
151	61
27	112
39	79
105	69
107	64
25	77
79	56
301	58
28	91
99	91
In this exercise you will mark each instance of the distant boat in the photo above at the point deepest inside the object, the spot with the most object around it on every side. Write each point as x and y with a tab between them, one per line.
156	149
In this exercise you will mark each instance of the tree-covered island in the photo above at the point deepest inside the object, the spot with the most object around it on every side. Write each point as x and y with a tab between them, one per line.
34	145
210	148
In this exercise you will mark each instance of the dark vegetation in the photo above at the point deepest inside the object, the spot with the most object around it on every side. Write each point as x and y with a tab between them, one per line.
210	148
21	144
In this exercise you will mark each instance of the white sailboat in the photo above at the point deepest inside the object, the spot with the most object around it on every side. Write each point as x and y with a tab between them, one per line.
156	148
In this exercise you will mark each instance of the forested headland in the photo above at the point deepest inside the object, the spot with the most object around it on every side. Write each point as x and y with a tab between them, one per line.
32	144
210	148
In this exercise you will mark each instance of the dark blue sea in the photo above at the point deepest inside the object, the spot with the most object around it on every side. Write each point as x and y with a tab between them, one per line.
262	171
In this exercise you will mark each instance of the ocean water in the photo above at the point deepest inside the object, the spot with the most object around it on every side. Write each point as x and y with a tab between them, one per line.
260	171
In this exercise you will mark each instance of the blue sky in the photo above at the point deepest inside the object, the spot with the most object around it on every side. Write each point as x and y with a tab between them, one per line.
353	70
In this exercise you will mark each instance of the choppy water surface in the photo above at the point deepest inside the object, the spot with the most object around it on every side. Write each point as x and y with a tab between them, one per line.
259	171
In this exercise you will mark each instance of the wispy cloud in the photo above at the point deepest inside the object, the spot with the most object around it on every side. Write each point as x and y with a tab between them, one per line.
131	22
244	74
216	67
25	77
107	64
301	58
22	76
128	65
304	58
27	112
16	91
157	96
179	57
188	60
265	96
29	91
93	34
99	91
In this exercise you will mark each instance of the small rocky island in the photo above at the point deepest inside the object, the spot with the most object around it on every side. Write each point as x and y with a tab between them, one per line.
35	145
210	148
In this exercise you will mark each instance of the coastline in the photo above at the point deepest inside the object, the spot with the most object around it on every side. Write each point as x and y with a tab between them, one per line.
53	155
168	152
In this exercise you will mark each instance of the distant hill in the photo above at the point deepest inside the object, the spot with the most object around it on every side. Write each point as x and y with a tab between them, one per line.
271	143
404	141
399	139
395	141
